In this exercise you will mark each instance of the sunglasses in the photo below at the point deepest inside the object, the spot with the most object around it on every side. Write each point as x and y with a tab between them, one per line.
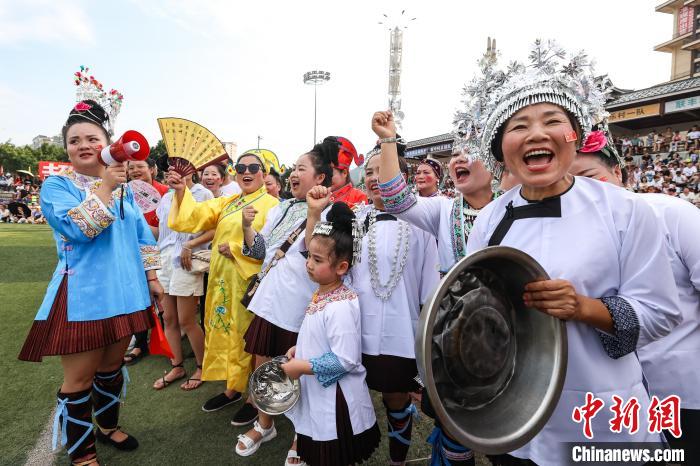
252	168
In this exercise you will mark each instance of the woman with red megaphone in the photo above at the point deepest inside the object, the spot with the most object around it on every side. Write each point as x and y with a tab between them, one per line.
103	287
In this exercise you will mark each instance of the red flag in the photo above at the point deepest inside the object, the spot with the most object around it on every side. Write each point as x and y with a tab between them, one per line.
159	344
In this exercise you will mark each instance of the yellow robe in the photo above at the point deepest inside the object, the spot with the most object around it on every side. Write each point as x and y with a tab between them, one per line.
226	320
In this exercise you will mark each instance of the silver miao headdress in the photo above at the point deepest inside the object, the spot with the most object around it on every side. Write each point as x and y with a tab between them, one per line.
469	119
549	77
358	231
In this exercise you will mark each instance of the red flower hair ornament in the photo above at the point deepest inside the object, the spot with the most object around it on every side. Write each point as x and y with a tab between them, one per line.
82	107
595	142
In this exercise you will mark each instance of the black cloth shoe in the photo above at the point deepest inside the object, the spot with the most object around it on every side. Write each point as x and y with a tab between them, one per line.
220	401
246	415
128	444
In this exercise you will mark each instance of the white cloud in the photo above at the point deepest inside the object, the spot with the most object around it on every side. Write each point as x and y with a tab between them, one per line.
43	21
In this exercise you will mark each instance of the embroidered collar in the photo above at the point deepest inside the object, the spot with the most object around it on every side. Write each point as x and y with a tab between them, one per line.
319	301
87	183
463	217
240	201
83	182
547	207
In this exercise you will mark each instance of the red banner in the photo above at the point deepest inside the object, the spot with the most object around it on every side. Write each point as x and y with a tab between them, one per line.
51	168
685	20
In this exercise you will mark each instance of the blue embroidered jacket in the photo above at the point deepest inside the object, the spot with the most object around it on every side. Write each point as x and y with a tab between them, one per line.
103	256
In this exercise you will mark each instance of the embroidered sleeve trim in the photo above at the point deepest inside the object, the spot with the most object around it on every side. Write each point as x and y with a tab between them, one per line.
327	369
396	195
626	325
258	250
150	255
91	216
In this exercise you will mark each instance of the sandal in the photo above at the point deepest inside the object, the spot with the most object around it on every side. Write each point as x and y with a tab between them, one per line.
250	445
165	382
130	358
292	455
198	382
92	461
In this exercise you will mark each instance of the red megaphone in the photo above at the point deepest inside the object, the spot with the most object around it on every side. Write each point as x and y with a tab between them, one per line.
131	146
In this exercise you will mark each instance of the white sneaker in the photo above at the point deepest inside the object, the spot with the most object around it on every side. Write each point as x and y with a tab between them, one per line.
252	446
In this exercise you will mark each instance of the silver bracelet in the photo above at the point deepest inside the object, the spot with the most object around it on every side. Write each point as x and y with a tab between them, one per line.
388	140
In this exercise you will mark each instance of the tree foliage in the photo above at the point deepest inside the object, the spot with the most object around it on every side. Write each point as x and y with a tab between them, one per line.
13	158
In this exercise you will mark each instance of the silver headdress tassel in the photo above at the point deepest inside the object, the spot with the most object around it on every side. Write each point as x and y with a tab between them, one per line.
468	121
548	78
358	231
323	228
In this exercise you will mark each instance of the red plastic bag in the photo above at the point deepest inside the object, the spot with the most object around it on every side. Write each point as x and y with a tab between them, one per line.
158	344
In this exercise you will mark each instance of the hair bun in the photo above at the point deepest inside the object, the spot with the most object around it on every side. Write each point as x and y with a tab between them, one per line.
328	150
341	216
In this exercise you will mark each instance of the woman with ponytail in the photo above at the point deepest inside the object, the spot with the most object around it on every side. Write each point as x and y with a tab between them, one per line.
284	289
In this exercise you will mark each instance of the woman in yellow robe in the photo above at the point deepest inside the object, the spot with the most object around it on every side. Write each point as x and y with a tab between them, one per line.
226	320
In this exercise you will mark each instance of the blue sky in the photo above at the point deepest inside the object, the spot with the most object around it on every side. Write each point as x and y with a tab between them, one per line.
236	67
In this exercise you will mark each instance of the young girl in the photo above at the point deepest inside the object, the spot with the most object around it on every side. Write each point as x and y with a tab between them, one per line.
285	289
329	349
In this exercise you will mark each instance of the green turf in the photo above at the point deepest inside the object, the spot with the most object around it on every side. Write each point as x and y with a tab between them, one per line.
169	424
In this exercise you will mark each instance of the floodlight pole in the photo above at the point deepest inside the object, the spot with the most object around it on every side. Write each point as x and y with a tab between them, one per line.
316	77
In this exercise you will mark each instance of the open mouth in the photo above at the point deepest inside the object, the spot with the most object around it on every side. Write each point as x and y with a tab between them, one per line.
538	159
462	173
85	155
208	183
247	179
374	187
294	184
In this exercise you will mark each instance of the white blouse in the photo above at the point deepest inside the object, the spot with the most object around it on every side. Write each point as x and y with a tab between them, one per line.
389	327
332	325
605	243
286	290
671	364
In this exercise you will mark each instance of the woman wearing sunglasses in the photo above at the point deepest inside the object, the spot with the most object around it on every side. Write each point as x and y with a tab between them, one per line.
226	320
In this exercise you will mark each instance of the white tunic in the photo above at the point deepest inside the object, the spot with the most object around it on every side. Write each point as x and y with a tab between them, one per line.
286	290
389	327
606	243
332	325
443	218
671	364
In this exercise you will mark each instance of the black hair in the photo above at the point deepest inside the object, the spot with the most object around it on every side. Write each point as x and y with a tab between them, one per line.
610	162
323	157
497	143
276	176
86	111
220	168
342	218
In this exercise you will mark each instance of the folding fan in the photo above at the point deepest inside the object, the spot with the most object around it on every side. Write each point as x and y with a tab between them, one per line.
190	146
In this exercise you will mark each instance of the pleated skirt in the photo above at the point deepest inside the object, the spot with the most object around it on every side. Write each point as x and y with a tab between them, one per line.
57	336
266	339
348	448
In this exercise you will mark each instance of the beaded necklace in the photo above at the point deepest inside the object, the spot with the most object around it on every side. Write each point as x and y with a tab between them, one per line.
383	290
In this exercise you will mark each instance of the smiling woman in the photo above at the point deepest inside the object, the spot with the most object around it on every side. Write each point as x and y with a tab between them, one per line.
601	246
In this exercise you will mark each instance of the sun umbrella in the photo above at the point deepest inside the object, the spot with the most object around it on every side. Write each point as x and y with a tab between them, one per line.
25	172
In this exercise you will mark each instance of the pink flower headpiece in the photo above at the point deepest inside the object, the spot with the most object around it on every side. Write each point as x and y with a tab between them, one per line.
595	142
82	107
